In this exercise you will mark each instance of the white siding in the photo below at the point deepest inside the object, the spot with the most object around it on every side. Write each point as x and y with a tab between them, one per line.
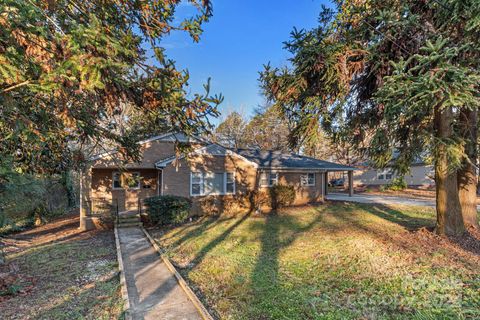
419	175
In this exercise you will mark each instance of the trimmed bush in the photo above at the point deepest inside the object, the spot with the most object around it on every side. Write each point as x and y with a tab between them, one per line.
282	196
397	184
258	199
165	210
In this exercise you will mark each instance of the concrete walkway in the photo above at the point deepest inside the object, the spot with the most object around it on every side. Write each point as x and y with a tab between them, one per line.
385	200
153	290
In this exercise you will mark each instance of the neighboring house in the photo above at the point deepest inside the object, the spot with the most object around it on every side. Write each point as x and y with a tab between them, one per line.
215	178
420	174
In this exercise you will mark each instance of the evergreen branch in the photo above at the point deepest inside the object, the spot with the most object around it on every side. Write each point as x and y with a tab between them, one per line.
21	84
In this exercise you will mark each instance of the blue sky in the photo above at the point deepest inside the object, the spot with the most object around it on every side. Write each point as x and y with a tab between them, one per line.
241	36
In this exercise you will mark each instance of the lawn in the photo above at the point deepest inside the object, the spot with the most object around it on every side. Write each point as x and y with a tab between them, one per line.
58	272
327	262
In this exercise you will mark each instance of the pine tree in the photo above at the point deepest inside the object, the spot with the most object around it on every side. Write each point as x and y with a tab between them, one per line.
393	76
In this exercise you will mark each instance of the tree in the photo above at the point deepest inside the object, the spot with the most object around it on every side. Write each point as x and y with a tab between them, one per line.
230	132
268	130
393	75
68	69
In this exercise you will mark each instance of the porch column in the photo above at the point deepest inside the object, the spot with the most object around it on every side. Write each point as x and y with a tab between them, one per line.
350	183
86	222
161	182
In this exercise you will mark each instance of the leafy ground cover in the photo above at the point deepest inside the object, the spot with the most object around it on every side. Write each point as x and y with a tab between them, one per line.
328	262
58	272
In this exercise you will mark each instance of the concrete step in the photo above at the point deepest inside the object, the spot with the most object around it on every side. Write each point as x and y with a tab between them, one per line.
127	220
128	214
129	224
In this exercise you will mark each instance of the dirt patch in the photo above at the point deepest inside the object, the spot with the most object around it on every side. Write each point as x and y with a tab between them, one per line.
58	272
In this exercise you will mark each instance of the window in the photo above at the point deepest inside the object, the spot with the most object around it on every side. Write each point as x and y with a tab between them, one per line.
385	174
268	179
196	185
230	183
131	180
211	183
117	180
307	179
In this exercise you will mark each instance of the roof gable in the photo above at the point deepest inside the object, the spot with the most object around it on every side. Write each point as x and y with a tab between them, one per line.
211	149
167	137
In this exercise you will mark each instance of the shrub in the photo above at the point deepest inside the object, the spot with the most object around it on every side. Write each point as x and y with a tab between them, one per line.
209	206
281	196
397	184
168	209
259	199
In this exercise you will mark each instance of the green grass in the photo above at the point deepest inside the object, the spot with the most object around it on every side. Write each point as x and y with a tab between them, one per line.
327	262
72	277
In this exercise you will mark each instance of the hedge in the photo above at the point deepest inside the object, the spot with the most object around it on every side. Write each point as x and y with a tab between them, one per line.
167	209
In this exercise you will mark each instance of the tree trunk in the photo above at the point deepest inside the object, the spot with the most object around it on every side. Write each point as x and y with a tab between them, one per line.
467	176
449	216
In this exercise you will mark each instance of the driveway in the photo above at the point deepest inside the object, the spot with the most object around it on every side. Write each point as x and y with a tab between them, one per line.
385	200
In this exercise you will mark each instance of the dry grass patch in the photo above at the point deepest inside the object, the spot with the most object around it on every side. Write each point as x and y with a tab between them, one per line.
329	261
57	272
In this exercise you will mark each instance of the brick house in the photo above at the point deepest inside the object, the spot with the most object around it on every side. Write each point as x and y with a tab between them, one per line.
215	178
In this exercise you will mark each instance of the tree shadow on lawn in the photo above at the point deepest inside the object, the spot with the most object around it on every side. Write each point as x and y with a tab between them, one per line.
202	226
393	215
279	232
58	269
212	244
102	297
421	237
61	224
469	241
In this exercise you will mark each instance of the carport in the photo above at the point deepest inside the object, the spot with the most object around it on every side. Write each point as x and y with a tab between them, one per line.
334	167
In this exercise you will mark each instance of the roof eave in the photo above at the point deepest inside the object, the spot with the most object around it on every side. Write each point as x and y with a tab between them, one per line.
309	168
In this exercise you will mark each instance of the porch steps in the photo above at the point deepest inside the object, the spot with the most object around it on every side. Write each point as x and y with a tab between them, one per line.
128	219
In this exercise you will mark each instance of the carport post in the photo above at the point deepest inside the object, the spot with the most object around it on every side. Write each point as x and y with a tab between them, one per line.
350	183
325	181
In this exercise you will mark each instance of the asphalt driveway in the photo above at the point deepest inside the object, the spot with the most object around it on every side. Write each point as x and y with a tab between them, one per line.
385	200
378	199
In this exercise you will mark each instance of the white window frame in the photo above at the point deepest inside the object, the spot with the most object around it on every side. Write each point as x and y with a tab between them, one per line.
307	184
139	182
382	174
202	183
269	179
119	180
122	187
226	182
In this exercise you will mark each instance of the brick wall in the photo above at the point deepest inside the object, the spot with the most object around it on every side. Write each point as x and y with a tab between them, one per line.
176	181
304	194
102	188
